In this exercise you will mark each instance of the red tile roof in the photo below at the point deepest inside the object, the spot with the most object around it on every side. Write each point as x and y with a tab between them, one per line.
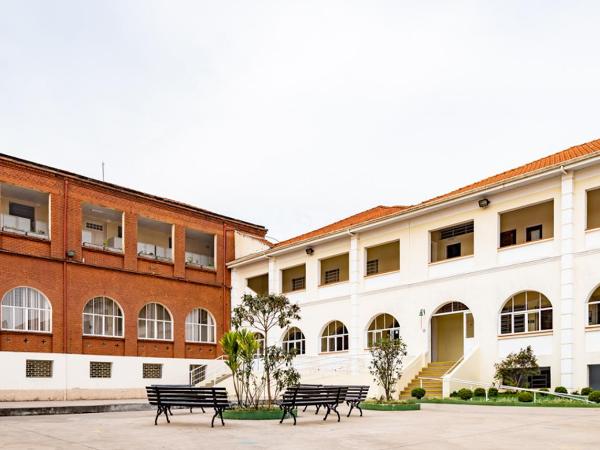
379	212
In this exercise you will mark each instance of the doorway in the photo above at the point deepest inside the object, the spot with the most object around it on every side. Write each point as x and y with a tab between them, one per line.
452	332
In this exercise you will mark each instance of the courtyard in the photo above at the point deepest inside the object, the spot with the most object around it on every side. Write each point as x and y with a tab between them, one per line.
434	427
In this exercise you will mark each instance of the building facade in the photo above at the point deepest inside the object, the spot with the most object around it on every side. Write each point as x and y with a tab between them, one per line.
466	278
104	289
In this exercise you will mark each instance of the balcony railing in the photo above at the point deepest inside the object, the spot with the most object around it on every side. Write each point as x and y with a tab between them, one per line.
196	259
154	251
24	226
114	244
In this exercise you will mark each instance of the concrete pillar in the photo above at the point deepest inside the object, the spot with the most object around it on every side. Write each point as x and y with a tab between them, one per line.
567	295
355	332
274	285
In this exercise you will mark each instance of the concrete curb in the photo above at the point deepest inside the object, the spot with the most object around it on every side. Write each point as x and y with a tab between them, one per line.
73	409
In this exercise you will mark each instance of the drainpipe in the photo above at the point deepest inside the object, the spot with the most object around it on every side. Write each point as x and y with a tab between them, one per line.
65	284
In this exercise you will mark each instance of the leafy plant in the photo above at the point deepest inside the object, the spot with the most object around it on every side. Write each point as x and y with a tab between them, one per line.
386	363
525	397
586	391
280	366
465	394
594	396
479	392
492	392
418	393
453	394
264	312
561	390
516	368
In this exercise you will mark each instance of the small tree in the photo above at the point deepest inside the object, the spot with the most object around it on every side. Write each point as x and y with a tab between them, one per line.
386	363
516	368
283	372
240	346
264	312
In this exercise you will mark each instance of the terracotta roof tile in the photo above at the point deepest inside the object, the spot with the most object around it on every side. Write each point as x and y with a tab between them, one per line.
379	212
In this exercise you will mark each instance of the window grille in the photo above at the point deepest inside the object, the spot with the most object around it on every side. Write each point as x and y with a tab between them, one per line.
457	230
372	267
332	276
36	368
94	226
152	370
298	283
100	369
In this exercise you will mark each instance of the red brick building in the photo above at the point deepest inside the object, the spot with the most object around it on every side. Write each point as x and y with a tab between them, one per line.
106	274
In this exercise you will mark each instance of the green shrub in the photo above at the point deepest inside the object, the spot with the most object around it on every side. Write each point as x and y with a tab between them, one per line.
586	391
479	392
561	390
418	393
525	397
465	394
594	396
453	394
575	393
492	392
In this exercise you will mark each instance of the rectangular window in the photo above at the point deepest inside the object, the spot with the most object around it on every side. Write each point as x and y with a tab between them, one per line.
546	319
505	324
593	209
594	376
383	258
453	250
542	380
332	276
100	369
36	368
101	227
534	233
519	325
508	238
151	370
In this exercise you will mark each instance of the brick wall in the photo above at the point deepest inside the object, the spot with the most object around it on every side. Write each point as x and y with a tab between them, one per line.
69	283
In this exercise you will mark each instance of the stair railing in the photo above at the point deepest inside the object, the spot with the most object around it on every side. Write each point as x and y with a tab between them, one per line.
429	378
201	374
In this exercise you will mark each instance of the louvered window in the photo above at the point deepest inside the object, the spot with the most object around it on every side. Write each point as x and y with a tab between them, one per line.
94	226
332	276
457	230
372	267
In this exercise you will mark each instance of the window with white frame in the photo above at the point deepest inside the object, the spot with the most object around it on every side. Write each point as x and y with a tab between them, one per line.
26	309
526	312
154	322
294	341
384	326
594	308
260	339
200	326
102	317
334	337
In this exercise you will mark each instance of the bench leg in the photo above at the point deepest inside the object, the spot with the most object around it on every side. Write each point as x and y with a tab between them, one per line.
334	408
167	415
283	415
158	412
318	408
221	416
360	409
202	408
327	413
212	422
351	408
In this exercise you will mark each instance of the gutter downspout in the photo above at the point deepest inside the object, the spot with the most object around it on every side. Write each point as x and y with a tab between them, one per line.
65	283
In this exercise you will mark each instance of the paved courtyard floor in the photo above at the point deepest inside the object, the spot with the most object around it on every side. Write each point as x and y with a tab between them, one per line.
434	427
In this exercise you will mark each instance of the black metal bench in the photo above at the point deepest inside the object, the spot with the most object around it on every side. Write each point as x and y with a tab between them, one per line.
166	396
355	395
320	396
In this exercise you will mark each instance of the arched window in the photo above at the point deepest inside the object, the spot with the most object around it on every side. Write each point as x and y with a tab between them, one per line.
384	326
154	322
334	337
594	308
526	312
200	326
26	309
294	341
102	317
260	338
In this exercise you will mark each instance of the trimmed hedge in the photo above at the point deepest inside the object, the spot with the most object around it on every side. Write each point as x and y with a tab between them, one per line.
418	393
479	392
465	394
594	396
525	397
253	414
492	392
586	391
374	406
561	390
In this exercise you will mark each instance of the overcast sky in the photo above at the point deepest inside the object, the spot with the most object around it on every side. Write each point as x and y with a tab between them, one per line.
296	114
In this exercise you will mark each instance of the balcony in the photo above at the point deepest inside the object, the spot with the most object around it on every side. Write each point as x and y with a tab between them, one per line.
383	258
529	224
452	242
293	279
24	211
334	269
259	284
101	228
155	240
199	249
593	209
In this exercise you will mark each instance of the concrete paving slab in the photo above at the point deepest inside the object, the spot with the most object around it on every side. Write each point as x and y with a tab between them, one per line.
434	427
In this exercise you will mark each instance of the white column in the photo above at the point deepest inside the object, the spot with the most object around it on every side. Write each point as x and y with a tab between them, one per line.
567	299
274	287
355	332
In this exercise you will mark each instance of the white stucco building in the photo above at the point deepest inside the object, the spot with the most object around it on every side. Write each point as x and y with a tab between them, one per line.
465	279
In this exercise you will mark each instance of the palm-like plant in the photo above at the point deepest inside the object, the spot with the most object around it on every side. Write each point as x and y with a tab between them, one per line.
231	347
